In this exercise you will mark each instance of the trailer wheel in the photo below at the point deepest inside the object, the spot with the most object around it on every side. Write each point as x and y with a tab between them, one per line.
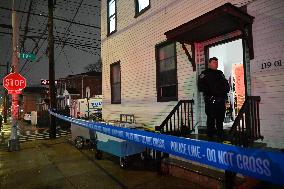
79	142
123	162
144	156
99	154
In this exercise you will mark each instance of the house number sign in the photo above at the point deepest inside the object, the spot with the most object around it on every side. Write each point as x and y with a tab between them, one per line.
275	64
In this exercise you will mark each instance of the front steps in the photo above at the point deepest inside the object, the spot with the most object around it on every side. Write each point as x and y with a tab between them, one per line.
201	175
208	177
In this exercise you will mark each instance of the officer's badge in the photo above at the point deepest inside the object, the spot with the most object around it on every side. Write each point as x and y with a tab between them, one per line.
201	76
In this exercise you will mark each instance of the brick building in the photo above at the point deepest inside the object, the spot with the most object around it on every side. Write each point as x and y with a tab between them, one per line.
32	97
78	86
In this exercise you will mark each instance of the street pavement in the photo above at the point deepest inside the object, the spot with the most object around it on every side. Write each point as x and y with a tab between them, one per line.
56	163
27	132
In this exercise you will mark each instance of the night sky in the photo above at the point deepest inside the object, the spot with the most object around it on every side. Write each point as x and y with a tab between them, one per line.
76	44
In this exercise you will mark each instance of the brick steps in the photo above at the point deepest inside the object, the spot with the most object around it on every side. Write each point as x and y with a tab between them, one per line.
204	176
208	177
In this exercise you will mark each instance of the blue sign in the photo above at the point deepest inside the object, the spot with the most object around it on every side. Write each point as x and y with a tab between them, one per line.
97	104
257	163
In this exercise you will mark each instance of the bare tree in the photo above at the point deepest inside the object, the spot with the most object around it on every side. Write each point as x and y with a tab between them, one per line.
97	66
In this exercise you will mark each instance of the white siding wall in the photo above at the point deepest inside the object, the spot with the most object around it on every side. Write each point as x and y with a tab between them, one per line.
268	39
134	46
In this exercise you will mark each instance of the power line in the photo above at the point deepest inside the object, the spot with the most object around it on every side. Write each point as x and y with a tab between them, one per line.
72	9
35	48
89	52
24	9
74	41
6	26
35	31
60	19
61	41
84	43
73	45
68	29
26	26
68	62
76	4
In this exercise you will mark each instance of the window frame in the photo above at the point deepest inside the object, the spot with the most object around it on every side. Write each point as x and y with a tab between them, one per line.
137	13
159	97
108	18
111	82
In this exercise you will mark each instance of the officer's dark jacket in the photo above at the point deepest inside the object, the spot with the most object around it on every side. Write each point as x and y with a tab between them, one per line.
213	83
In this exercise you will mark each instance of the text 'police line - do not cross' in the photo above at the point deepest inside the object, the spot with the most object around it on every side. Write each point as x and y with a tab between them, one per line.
14	83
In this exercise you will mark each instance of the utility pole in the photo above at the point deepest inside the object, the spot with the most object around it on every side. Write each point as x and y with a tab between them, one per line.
88	105
6	97
52	96
6	102
14	144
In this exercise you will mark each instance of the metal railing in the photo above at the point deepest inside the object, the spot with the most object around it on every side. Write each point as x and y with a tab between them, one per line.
180	120
246	128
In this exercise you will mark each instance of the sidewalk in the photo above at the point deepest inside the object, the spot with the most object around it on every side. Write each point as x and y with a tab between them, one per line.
4	136
27	132
58	164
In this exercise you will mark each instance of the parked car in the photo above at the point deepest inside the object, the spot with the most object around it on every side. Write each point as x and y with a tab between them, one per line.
27	117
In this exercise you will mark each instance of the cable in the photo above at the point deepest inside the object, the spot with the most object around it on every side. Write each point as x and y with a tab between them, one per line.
69	9
79	42
8	51
28	67
26	26
36	31
68	62
34	49
68	29
24	9
83	4
89	52
55	18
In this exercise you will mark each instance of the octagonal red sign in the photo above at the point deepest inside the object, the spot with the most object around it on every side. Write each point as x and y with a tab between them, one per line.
14	83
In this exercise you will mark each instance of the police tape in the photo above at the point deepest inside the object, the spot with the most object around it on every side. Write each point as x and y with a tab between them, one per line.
257	163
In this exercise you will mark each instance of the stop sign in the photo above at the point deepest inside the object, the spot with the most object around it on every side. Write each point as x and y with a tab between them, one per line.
14	83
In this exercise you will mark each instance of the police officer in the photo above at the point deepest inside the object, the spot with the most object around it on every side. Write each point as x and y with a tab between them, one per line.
215	87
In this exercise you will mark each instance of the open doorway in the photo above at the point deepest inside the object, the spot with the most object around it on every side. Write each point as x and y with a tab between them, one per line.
230	56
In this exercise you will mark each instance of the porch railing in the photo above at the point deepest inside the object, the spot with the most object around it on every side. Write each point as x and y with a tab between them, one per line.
180	120
246	128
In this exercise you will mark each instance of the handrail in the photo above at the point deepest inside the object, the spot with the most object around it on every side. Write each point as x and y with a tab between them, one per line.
246	127
180	120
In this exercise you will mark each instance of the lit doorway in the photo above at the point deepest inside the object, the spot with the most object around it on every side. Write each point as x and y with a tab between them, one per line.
230	56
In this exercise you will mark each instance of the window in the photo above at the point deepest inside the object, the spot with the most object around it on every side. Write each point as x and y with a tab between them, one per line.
115	82
166	72
141	6
111	19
